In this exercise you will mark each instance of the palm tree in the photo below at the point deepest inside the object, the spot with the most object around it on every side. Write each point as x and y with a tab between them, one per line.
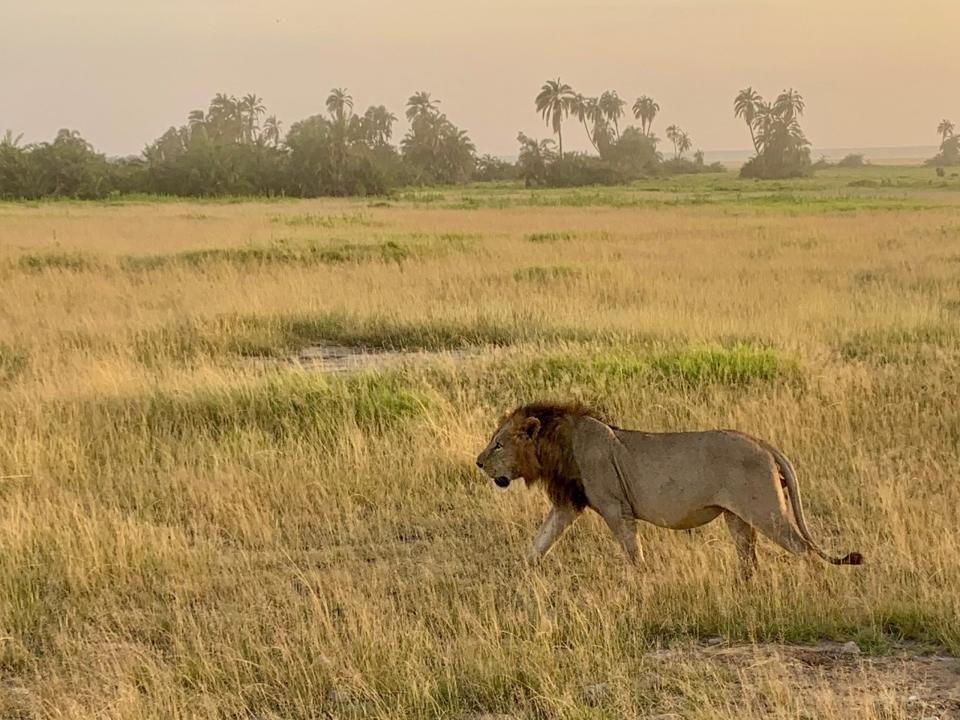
224	117
251	108
584	109
683	142
673	135
553	102
789	105
420	104
645	109
339	104
378	124
612	108
746	105
945	130
10	140
271	130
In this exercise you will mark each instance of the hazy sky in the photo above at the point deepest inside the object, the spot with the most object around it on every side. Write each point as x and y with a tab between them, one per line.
875	73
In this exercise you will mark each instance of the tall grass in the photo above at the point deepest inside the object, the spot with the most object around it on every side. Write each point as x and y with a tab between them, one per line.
191	526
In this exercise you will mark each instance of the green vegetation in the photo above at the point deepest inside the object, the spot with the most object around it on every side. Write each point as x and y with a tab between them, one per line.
782	150
229	150
949	154
622	156
690	367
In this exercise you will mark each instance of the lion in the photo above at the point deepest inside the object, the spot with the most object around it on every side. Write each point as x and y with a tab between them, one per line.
678	480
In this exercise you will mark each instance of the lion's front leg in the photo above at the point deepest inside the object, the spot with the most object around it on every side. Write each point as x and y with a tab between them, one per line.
558	520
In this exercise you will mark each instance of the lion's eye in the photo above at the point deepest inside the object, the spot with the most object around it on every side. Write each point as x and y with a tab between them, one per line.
498	445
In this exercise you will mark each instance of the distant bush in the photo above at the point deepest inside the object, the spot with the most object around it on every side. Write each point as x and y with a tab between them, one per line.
634	154
853	160
576	170
949	153
685	166
492	169
793	164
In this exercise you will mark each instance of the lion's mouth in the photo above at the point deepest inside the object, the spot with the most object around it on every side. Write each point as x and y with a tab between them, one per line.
502	481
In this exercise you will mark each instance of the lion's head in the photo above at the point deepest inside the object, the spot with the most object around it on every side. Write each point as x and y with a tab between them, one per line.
533	443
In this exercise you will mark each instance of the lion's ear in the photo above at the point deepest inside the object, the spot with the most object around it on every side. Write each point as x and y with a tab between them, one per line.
531	426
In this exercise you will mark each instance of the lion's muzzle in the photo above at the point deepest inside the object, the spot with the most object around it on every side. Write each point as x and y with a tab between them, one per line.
502	481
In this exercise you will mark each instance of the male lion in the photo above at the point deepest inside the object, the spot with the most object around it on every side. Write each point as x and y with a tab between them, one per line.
675	480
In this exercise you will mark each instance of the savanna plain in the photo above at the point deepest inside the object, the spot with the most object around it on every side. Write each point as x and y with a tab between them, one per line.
199	517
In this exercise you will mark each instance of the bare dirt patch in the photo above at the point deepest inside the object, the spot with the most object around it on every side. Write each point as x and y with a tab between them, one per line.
834	676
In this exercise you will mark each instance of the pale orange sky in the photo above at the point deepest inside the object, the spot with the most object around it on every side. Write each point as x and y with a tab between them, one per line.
877	73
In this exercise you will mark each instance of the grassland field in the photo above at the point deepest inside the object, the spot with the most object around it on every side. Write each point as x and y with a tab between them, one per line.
193	526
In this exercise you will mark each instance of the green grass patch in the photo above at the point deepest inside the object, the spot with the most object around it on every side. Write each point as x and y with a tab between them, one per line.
546	273
735	366
155	428
738	365
288	406
63	261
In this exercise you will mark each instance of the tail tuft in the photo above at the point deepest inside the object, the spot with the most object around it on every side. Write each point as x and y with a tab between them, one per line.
853	558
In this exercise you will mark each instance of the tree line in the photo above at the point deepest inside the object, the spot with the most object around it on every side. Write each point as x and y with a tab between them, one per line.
235	148
622	154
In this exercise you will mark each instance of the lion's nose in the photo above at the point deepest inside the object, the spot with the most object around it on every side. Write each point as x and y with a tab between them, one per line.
480	463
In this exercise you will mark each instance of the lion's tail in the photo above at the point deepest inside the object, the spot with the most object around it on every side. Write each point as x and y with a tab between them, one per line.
793	490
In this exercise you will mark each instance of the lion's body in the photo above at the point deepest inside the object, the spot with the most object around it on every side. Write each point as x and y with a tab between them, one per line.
674	480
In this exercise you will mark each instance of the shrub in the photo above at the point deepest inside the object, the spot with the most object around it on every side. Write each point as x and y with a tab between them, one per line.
685	166
492	169
853	160
576	169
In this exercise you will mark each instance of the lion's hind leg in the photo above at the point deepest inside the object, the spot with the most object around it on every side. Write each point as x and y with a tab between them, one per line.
745	538
777	526
624	529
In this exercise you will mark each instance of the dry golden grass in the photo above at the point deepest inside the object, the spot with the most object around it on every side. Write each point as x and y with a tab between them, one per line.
191	527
